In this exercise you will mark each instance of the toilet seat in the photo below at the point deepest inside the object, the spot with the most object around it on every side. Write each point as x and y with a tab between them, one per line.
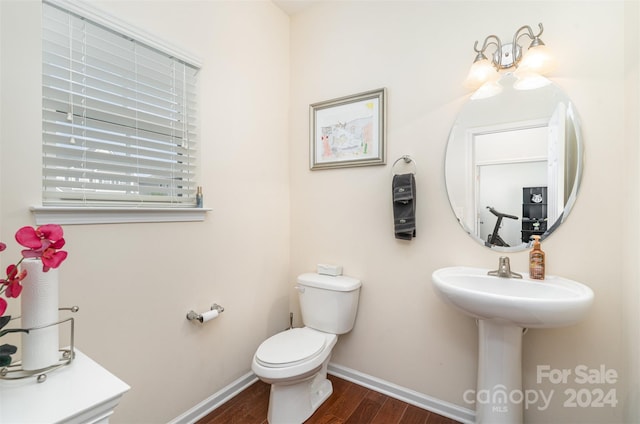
290	348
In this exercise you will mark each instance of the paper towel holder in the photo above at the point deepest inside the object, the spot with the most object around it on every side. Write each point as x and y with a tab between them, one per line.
14	371
193	315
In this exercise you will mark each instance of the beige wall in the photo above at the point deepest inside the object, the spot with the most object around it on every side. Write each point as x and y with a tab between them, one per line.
135	283
421	51
632	264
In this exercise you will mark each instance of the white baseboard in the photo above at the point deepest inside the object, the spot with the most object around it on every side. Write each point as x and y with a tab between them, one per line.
216	400
412	397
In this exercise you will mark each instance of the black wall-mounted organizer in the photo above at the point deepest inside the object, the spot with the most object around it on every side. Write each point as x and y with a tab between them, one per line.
534	212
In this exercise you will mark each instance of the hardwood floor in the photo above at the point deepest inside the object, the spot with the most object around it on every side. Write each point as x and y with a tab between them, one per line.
349	404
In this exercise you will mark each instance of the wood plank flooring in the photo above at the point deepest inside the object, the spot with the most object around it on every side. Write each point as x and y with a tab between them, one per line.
349	404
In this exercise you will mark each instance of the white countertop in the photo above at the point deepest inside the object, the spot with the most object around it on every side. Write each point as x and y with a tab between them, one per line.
82	391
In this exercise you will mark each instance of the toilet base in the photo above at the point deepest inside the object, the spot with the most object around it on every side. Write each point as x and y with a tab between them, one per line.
292	403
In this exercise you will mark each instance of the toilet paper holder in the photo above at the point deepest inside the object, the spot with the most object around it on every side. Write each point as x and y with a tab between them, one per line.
193	315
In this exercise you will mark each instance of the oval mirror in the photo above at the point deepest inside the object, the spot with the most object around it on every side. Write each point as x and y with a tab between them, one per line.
514	161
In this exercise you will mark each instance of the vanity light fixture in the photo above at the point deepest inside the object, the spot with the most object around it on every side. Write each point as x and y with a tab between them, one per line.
536	59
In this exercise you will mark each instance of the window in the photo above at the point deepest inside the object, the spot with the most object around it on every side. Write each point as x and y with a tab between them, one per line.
118	116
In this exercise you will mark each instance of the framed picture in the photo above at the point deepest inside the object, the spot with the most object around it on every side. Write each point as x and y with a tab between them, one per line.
348	131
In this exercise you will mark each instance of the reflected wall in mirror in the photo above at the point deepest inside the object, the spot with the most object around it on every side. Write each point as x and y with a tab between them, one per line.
514	161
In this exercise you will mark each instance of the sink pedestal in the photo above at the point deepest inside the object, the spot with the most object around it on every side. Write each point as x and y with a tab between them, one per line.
499	395
503	308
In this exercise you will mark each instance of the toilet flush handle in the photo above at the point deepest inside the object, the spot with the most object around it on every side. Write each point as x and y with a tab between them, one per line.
299	288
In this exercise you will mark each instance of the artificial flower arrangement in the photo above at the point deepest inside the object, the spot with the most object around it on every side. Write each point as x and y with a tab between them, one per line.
44	243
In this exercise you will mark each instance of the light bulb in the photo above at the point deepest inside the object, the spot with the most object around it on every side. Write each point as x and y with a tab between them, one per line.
488	89
527	80
537	59
480	72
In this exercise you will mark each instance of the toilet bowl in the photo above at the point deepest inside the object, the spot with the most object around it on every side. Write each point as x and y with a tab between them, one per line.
295	361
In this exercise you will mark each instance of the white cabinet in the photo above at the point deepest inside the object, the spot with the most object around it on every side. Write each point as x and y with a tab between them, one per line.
81	392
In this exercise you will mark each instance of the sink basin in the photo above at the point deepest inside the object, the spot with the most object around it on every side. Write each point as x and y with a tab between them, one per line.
503	307
552	302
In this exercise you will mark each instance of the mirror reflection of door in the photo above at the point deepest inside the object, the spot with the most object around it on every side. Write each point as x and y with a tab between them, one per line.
556	172
500	186
505	163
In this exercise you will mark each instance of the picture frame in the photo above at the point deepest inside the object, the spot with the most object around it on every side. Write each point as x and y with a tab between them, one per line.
348	131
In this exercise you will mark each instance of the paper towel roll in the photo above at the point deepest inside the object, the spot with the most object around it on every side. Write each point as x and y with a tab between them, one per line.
209	315
39	305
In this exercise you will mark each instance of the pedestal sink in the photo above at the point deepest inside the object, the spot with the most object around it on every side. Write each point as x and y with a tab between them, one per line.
503	308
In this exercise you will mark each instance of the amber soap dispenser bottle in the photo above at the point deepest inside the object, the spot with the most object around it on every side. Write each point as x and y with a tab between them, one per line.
536	260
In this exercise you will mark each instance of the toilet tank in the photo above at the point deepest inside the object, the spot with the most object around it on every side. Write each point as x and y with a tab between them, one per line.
328	303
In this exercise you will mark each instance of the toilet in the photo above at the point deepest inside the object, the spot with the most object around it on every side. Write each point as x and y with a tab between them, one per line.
295	361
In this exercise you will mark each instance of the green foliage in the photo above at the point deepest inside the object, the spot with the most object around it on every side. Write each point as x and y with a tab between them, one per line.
6	350
4	320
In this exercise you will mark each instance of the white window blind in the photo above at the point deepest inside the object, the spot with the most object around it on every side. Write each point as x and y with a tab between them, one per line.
119	118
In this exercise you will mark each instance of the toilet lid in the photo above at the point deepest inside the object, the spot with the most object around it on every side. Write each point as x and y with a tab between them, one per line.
290	347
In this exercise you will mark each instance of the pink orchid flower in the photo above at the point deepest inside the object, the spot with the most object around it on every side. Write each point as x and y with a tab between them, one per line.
52	258
14	288
43	242
33	237
3	303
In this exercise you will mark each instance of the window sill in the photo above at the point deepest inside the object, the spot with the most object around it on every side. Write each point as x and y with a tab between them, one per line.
64	215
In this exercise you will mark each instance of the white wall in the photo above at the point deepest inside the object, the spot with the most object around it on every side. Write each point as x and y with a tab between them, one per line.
421	51
632	208
135	283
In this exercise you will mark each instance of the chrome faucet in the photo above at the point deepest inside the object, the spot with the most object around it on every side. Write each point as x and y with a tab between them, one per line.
504	269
